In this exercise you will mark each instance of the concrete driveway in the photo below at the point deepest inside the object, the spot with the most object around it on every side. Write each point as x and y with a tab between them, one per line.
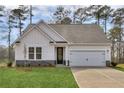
98	77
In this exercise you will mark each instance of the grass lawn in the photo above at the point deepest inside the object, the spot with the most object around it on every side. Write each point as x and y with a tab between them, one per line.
44	77
120	67
3	62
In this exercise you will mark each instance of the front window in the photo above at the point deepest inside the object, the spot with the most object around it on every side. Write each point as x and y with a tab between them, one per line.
38	52
31	52
35	52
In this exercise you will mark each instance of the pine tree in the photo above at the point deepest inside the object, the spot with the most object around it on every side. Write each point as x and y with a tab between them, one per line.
20	14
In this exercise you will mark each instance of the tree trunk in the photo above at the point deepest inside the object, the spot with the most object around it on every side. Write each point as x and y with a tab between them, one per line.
123	55
20	26
118	52
9	49
119	46
30	14
74	19
105	24
112	52
98	19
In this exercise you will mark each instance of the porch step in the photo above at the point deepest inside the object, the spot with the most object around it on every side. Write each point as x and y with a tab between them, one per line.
60	65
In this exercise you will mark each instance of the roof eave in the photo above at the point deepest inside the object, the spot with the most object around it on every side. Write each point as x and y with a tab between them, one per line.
91	44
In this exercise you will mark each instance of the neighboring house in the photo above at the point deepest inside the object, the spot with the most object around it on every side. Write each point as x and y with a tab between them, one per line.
67	44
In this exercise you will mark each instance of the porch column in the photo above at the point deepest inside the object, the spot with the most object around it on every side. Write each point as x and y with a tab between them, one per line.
66	55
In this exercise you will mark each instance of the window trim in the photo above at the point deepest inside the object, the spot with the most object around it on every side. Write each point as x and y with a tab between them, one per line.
38	53
31	53
34	53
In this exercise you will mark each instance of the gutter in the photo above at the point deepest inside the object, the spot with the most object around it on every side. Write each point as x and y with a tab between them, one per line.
93	44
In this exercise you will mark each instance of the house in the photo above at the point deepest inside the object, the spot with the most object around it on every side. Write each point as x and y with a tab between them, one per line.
66	44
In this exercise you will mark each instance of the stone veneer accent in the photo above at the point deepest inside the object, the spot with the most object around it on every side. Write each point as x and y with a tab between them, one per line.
28	63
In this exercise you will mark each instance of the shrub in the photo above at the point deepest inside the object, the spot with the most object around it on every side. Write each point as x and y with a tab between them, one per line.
28	65
50	65
9	64
114	64
18	65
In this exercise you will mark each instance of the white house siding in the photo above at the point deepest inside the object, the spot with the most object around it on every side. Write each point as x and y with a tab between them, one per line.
34	39
107	50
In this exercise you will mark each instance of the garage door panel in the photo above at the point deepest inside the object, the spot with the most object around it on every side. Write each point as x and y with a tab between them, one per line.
87	58
74	59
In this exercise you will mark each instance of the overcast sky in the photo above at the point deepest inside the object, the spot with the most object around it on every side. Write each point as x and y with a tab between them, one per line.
42	12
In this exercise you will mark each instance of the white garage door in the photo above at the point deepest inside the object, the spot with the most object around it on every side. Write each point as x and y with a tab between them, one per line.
87	58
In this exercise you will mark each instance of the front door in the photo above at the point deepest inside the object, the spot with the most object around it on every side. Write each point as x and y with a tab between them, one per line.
59	55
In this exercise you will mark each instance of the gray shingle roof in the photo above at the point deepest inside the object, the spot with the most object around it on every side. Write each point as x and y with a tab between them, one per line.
83	33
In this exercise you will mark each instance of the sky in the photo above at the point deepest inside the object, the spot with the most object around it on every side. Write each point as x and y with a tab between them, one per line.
40	12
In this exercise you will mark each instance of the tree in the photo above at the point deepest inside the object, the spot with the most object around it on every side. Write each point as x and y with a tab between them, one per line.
106	15
118	17
11	24
2	28
66	20
118	20
1	12
80	15
20	14
31	8
114	37
31	14
74	17
3	52
60	14
95	12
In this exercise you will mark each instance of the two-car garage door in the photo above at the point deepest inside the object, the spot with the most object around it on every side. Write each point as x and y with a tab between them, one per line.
87	58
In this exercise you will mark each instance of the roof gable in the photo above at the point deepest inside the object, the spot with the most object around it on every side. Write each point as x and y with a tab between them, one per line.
72	33
28	29
45	30
51	32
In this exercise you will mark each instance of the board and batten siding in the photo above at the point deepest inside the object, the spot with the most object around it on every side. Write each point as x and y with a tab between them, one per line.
34	39
107	50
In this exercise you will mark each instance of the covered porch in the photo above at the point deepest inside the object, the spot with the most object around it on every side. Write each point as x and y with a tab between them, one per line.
61	54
